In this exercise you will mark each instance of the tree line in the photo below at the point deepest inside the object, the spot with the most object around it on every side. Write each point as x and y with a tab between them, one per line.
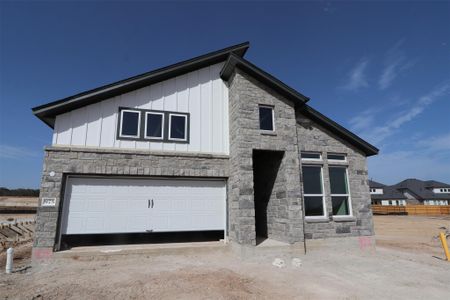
19	192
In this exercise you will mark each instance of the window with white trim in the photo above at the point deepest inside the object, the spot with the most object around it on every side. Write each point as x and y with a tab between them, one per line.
311	155
313	191
154	125
177	127
340	195
130	123
336	157
266	118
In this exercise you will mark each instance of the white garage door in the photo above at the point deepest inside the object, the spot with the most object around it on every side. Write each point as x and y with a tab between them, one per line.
107	205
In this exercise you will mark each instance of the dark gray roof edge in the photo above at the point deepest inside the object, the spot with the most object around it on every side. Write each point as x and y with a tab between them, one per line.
375	184
261	75
299	99
436	184
47	112
341	131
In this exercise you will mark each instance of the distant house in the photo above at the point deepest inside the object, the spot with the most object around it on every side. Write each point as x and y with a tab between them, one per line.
385	195
410	191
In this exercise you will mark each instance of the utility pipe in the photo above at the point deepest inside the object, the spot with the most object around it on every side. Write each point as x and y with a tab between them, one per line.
444	245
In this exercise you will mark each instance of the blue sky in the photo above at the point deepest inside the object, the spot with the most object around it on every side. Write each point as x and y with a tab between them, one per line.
380	69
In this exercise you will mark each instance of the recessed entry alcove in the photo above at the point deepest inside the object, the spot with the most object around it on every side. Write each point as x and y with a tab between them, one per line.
266	166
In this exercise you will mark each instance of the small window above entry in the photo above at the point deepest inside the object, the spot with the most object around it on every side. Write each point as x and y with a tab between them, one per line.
266	118
336	157
177	127
311	156
130	123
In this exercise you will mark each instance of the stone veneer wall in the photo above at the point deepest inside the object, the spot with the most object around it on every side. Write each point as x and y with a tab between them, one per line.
83	161
312	137
285	222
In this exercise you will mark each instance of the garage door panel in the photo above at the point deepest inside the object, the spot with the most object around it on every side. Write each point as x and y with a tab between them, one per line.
113	205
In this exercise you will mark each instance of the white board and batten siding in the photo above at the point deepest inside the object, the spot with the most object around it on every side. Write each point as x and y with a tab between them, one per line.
202	93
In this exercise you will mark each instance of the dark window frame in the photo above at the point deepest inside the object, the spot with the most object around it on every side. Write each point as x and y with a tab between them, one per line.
272	108
142	126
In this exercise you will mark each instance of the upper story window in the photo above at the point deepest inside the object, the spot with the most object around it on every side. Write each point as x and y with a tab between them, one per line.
310	156
340	195
336	157
266	118
154	125
159	126
313	191
178	127
372	191
130	123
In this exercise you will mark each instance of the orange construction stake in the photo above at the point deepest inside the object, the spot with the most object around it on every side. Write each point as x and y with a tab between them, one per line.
444	245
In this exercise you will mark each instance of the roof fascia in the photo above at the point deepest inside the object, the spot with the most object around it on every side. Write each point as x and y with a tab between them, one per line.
47	112
262	76
334	127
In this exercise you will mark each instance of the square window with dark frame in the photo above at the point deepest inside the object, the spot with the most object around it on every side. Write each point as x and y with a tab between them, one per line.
266	119
130	123
313	191
154	125
340	196
177	127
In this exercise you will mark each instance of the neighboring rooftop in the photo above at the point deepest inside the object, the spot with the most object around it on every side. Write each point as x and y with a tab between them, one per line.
422	190
374	184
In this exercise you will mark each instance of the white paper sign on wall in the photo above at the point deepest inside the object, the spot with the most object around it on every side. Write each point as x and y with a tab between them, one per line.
48	202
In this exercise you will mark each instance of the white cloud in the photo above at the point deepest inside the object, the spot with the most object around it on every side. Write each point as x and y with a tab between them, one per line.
436	143
395	63
14	152
380	133
357	76
364	120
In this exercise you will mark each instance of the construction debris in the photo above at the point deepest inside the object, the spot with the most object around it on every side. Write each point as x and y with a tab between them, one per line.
278	262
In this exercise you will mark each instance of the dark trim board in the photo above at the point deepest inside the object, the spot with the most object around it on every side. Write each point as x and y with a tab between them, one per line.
49	111
269	80
298	99
339	130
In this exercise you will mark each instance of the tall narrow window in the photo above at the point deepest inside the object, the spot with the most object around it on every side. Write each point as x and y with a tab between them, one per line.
129	123
340	196
266	120
177	127
154	125
313	191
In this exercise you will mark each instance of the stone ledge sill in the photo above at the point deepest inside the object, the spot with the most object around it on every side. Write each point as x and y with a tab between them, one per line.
344	219
268	133
134	151
321	220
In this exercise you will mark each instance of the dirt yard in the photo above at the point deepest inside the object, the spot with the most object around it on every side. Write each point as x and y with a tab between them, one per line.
407	264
